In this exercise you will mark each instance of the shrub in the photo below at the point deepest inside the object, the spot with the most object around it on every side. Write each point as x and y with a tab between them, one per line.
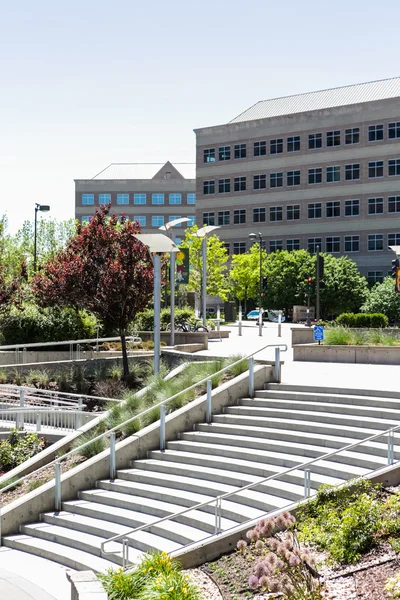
362	320
337	336
91	449
109	389
144	321
18	448
393	587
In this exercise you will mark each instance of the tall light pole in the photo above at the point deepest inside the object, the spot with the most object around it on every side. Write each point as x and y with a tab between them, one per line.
253	238
167	227
41	208
202	233
158	244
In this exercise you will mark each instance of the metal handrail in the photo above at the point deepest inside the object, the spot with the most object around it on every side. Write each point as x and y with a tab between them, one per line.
111	431
132	338
52	393
218	499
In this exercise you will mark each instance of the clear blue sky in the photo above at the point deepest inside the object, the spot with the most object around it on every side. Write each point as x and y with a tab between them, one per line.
88	82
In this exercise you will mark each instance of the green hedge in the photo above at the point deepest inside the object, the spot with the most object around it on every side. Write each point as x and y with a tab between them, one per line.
32	324
362	320
144	321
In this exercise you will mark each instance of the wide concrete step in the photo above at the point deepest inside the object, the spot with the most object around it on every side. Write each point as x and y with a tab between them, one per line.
313	416
166	469
267	457
142	540
130	519
326	441
301	451
249	467
290	387
309	427
78	540
59	553
327	407
231	509
317	397
196	518
257	498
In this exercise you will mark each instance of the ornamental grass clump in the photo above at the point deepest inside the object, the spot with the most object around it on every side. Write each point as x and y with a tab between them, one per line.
285	567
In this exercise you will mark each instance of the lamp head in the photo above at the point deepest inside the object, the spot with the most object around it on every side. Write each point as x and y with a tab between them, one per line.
252	237
43	207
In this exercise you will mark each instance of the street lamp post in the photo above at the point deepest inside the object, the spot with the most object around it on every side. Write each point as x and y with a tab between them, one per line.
203	232
41	208
253	238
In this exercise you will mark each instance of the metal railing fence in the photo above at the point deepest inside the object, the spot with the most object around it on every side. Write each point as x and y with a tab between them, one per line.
49	418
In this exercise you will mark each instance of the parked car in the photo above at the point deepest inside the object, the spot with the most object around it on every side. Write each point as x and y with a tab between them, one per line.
253	315
273	316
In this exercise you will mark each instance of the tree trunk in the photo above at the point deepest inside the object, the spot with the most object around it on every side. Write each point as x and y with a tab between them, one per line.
125	363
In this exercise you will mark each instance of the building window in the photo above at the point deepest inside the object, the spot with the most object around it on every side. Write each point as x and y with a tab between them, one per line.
332	244
224	153
315	175
315	210
122	198
293	212
313	243
275	213
209	155
333	138
239	216
157	221
352	171
192	221
106	199
141	219
227	247
239	247
259	182
375	277
375	206
394	204
375	168
351	208
260	148
293	143
85	220
352	136
275	245
314	141
174	218
175	198
293	178
223	217
240	150
276	146
191	198
375	133
209	218
224	185
139	198
393	239
375	242
332	174
276	180
89	198
157	198
178	241
208	187
394	166
351	243
333	208
292	245
239	184
258	215
394	130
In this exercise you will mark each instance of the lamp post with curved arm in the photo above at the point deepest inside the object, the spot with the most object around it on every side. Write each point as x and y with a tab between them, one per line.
253	237
41	208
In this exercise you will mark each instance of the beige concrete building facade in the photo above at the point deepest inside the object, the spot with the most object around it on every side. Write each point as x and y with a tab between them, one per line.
152	194
321	168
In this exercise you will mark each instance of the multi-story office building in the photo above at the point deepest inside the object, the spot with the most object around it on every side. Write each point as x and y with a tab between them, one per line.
321	168
152	194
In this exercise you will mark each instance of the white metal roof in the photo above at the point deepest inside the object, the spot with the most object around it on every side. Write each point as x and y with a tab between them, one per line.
342	96
143	170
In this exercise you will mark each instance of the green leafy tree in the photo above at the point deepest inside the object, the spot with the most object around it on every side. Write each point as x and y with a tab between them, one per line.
382	298
217	256
345	288
287	278
245	274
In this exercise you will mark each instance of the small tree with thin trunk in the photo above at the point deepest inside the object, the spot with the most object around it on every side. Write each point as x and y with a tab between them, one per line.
103	269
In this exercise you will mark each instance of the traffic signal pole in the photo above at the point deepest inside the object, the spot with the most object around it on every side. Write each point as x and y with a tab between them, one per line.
317	307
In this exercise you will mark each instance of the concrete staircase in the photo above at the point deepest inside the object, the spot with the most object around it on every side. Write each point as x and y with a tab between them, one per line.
283	426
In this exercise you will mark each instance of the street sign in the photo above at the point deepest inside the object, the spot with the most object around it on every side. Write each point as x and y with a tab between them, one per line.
318	333
397	285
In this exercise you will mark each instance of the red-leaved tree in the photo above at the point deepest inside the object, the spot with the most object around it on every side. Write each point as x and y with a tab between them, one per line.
105	270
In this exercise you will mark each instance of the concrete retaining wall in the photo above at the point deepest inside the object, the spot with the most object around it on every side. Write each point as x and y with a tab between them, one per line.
306	335
85	586
378	355
28	508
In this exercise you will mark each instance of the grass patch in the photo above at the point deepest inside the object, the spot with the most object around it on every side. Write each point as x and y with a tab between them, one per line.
343	336
91	449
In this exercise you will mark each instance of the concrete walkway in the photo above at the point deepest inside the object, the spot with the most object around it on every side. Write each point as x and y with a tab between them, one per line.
27	577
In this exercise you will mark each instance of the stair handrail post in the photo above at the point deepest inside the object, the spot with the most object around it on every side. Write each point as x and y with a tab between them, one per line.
162	428
307	483
125	552
112	457
208	401
277	365
390	452
251	377
57	488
